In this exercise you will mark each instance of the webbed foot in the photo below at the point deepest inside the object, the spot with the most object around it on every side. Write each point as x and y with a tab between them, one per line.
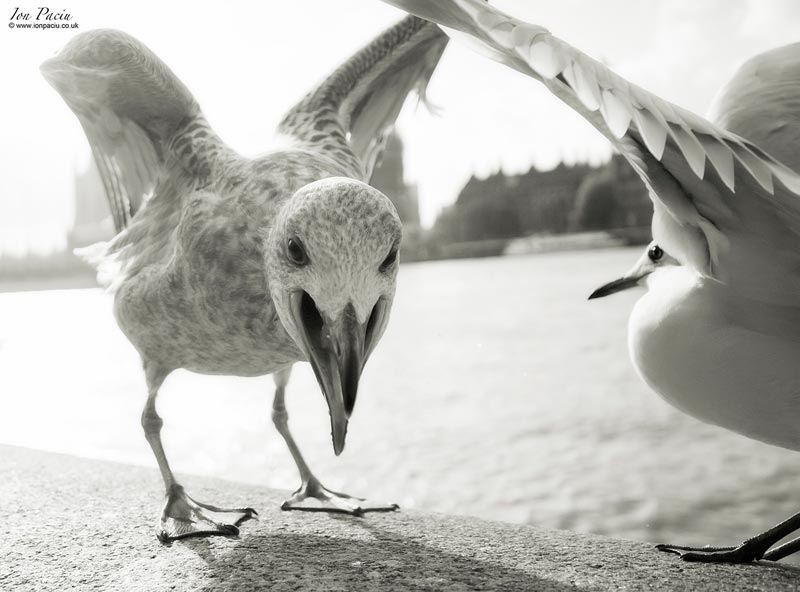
744	553
315	497
753	549
184	517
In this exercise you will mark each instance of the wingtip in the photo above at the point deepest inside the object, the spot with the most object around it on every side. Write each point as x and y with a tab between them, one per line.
50	66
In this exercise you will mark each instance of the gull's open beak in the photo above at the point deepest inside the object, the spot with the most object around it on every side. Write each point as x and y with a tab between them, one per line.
623	283
337	350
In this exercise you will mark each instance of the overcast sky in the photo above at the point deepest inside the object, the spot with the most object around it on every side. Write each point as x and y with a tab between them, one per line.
247	62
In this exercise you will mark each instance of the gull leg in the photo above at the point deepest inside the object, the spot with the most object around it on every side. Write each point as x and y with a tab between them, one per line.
783	550
312	496
752	549
182	516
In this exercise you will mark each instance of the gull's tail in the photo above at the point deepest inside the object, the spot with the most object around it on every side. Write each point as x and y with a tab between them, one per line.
105	262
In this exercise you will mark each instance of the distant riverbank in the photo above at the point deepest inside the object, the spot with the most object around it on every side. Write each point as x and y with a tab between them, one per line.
64	270
539	243
57	281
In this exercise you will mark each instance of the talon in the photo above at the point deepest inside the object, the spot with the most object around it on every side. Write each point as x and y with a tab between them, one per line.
667	549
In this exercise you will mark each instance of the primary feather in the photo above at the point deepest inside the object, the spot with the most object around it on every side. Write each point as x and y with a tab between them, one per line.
726	194
353	111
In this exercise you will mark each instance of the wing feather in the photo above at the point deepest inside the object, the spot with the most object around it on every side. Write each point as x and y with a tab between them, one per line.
358	104
132	109
737	220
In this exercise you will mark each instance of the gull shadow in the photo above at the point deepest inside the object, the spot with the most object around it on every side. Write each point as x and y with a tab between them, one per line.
389	561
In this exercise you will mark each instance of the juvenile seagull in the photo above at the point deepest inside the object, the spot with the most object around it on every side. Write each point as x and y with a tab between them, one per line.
718	332
229	265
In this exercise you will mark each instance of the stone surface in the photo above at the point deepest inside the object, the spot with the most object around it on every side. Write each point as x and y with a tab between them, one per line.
70	523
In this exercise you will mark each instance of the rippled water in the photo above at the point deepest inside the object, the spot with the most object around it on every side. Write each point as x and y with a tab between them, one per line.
498	391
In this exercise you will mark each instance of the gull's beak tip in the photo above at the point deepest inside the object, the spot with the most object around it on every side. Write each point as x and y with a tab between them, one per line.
339	435
602	291
337	349
623	283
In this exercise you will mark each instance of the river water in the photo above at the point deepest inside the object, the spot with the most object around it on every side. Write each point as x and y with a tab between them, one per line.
498	391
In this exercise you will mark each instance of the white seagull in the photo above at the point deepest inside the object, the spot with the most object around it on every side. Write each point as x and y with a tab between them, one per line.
231	265
718	332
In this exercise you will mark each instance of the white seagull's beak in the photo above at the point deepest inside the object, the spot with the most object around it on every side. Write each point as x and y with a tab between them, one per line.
633	278
622	283
337	350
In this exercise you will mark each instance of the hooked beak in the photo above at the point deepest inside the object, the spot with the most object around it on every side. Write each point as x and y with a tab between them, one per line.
623	283
337	350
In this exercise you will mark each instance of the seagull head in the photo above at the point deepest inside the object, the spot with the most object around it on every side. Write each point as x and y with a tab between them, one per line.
653	258
332	265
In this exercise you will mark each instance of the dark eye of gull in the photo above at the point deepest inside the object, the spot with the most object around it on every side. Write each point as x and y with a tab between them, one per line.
390	259
296	252
655	253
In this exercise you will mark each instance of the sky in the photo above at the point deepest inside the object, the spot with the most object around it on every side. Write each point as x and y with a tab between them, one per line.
248	62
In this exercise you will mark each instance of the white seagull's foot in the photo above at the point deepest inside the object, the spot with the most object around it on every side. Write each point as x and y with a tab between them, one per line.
753	549
744	553
184	517
315	497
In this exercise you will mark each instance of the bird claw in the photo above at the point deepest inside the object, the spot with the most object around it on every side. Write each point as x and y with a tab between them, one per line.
315	497
184	517
744	553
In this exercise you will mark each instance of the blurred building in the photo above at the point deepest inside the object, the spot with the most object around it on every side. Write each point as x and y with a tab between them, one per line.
507	206
92	221
565	199
388	178
612	197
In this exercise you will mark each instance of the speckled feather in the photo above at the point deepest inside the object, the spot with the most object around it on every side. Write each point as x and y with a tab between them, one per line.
363	97
193	268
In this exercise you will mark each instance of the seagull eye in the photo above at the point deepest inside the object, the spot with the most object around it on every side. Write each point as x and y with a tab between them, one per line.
390	259
655	253
295	252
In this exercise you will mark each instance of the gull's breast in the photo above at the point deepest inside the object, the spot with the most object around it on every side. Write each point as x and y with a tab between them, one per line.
730	365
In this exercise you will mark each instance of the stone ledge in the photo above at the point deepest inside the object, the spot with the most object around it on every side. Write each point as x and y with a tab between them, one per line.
72	523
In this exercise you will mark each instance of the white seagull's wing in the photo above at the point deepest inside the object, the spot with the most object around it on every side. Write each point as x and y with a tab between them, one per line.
355	108
132	109
727	196
762	103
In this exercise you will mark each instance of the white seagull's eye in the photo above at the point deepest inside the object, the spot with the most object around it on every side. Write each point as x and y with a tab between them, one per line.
295	252
655	253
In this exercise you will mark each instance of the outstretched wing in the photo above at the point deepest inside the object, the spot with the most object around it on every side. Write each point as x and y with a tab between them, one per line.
352	112
138	117
726	197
